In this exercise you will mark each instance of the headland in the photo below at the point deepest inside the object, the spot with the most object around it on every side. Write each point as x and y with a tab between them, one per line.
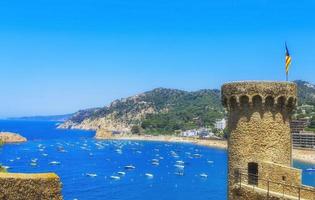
8	137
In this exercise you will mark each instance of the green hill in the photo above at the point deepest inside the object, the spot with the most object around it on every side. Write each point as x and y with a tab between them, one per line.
160	110
167	110
306	92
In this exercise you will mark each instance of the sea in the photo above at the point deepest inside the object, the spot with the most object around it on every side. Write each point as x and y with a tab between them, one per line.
120	170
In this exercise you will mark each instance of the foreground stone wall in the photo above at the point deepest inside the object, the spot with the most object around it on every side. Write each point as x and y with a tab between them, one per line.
30	186
246	193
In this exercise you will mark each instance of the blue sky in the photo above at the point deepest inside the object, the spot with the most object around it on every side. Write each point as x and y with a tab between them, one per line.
58	56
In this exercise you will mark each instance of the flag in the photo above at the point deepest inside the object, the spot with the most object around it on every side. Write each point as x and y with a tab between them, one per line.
287	59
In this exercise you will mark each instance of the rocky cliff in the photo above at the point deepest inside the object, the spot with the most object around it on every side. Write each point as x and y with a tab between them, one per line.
8	137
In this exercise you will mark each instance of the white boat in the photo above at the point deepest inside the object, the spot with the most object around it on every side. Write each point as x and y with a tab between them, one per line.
130	167
197	155
203	175
180	162
155	160
210	161
54	163
6	167
149	175
174	155
115	177
179	166
179	173
155	163
61	149
119	151
121	173
91	175
33	164
310	170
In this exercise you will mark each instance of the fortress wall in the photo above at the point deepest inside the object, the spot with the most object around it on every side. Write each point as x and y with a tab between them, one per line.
308	192
14	186
245	193
258	137
258	123
279	173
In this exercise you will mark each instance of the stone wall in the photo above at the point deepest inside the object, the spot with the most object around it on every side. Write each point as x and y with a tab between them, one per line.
30	186
247	193
279	174
258	123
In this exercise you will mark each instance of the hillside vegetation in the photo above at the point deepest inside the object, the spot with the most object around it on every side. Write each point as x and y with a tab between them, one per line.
306	92
160	110
167	110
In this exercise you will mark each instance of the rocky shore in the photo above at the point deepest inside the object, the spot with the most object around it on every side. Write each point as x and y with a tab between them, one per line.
8	137
302	155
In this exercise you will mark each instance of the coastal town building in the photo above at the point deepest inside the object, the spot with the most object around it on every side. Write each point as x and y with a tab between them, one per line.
220	124
260	142
202	132
298	125
304	140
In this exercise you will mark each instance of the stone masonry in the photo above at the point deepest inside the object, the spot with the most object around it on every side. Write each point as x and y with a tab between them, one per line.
16	186
259	141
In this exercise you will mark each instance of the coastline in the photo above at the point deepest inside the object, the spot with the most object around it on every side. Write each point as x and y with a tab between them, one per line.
302	155
220	144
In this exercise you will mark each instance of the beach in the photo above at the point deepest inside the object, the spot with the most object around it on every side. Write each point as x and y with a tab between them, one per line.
303	155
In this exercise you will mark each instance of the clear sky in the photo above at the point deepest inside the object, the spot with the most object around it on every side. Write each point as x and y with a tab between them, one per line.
58	56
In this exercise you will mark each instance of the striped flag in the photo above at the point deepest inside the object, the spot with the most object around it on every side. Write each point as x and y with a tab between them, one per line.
287	59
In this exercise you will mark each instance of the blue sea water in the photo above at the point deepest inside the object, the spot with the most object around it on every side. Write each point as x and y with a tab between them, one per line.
86	165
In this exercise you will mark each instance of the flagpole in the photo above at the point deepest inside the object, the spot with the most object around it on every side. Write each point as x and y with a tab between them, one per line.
287	76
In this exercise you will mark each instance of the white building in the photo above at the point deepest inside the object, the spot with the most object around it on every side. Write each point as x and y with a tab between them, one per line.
189	133
221	124
202	132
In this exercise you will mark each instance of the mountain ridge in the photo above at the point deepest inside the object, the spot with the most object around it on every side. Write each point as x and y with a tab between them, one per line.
164	110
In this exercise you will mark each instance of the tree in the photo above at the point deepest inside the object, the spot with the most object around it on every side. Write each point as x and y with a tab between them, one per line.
2	169
136	129
312	123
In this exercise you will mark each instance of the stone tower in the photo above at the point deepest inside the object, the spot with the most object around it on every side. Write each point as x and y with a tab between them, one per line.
259	138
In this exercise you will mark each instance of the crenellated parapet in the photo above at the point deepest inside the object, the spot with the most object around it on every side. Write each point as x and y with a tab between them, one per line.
260	95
